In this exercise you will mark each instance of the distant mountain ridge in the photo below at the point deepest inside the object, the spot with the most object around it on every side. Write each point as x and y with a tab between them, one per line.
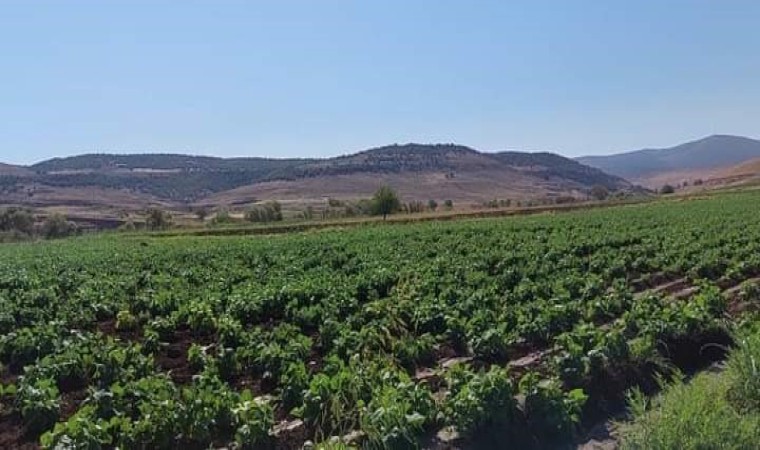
436	169
709	153
11	170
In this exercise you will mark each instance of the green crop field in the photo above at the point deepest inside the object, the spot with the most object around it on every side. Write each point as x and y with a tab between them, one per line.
524	330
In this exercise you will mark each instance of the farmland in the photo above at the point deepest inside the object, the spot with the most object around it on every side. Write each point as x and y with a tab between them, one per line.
523	329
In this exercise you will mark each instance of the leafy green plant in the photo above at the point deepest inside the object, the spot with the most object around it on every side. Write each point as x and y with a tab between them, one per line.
549	411
38	404
397	416
477	400
253	420
294	381
81	431
126	321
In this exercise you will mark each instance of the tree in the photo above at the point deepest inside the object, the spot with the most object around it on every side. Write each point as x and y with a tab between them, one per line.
56	226
413	207
158	219
667	189
365	206
268	212
599	192
385	201
17	220
201	213
128	226
432	205
448	204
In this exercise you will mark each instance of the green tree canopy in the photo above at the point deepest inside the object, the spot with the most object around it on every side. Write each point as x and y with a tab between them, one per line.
385	201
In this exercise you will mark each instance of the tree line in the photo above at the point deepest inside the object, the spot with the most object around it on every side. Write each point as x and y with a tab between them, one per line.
21	224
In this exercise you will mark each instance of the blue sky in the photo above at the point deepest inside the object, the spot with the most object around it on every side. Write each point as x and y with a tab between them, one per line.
287	78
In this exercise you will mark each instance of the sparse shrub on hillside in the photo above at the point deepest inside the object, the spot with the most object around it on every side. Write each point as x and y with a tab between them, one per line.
128	226
268	212
413	207
365	206
201	213
448	204
599	192
564	199
158	220
56	226
308	213
17	220
222	217
432	205
667	189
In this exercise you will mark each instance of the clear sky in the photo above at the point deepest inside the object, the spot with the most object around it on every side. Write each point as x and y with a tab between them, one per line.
321	77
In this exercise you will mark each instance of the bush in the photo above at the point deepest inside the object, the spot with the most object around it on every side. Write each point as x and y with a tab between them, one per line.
414	207
222	217
56	226
201	213
128	226
17	220
667	189
158	220
599	192
268	212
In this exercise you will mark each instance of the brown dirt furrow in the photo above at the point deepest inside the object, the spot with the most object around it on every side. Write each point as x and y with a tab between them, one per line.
664	286
685	293
736	304
736	287
13	435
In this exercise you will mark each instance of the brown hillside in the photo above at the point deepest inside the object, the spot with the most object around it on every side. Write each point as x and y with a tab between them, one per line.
751	167
465	187
417	171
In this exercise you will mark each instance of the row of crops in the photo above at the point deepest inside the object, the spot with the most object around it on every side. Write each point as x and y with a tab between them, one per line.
378	337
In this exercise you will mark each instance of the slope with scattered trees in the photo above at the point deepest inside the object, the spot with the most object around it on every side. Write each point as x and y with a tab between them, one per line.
187	179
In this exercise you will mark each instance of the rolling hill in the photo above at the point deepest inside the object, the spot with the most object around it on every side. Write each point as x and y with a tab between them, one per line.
696	159
13	171
418	172
746	173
